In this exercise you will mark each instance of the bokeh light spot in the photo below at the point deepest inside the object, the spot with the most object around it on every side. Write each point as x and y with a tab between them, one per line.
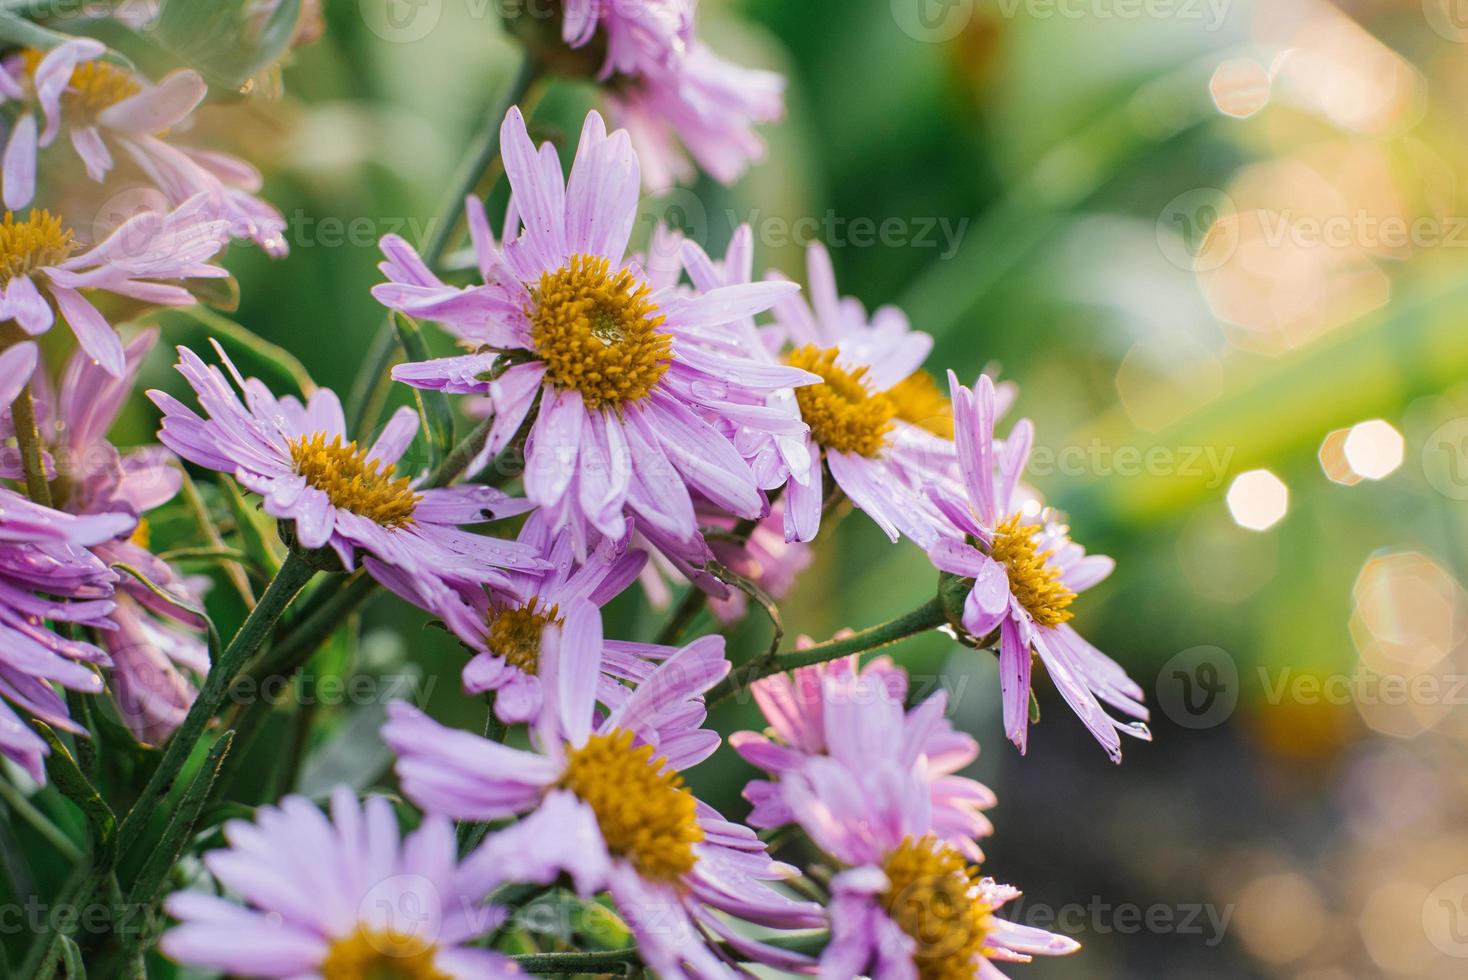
1240	87
1258	499
1333	459
1374	449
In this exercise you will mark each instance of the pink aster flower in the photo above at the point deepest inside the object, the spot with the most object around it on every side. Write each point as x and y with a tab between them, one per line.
839	709
507	627
877	420
639	34
99	103
338	897
335	494
906	903
37	264
48	576
621	371
708	105
603	801
1026	575
156	645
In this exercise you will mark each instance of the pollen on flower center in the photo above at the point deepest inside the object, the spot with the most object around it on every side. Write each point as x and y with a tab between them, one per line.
354	483
1032	579
843	413
142	535
921	402
94	85
932	897
514	633
647	816
381	955
25	246
597	332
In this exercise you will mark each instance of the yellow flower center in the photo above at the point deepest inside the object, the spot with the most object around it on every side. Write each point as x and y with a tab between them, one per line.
514	633
352	482
920	401
94	85
381	955
932	897
1032	579
646	815
27	245
843	413
142	535
598	332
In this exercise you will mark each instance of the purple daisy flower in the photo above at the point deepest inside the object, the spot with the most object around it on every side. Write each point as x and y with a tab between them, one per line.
639	34
836	709
156	645
100	102
37	263
621	371
708	105
604	803
336	494
338	897
906	903
877	419
506	627
46	574
1026	574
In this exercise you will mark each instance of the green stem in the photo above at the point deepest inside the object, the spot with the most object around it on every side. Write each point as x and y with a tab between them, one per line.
472	832
460	456
595	961
928	616
315	628
367	389
28	436
293	574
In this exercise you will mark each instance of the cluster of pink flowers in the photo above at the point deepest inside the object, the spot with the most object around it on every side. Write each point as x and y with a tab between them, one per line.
682	423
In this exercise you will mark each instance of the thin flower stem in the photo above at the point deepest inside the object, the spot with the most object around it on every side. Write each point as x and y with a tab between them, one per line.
364	401
928	616
614	961
695	599
28	436
293	575
471	833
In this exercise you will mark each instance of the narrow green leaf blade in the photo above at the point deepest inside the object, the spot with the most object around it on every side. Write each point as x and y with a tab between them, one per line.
433	406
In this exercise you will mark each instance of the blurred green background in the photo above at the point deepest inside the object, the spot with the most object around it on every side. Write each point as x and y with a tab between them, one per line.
1207	239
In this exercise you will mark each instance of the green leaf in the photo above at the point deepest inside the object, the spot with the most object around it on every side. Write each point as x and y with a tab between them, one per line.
22	33
253	537
71	959
179	832
226	40
68	779
178	602
253	353
222	293
433	406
